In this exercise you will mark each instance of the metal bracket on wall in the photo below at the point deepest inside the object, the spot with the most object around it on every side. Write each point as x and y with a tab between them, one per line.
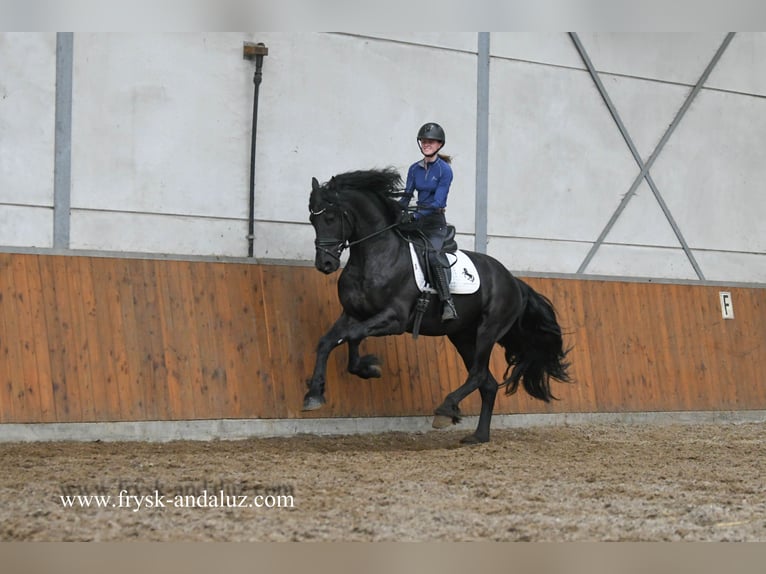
644	167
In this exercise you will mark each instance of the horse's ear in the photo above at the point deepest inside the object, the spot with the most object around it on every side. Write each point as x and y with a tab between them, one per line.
314	184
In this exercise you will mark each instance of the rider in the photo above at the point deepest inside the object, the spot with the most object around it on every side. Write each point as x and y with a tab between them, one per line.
431	178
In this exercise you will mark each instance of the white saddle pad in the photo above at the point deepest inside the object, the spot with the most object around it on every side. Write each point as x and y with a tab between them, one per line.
464	280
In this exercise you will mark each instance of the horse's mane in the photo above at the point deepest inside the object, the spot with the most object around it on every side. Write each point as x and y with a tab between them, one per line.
385	184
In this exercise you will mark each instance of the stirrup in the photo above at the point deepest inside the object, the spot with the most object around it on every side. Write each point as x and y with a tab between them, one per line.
449	312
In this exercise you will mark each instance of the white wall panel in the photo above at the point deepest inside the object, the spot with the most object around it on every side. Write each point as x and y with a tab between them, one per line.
632	261
712	173
285	241
22	226
741	68
721	266
556	49
161	123
27	113
152	233
161	142
557	165
538	255
466	41
643	222
646	108
668	57
335	103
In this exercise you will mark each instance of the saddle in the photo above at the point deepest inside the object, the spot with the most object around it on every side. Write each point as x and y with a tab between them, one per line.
464	282
421	246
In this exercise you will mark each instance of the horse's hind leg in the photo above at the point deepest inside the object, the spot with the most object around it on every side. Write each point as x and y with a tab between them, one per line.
366	367
476	359
488	392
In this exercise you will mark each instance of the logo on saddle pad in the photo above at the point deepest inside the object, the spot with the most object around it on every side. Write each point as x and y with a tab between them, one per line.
464	280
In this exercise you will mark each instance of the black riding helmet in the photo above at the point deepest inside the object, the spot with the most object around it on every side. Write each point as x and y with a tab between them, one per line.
431	131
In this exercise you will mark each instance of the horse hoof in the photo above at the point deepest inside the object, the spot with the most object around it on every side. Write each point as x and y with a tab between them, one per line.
473	439
313	403
441	422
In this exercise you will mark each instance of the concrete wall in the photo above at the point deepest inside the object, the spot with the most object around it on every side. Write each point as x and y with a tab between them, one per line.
160	142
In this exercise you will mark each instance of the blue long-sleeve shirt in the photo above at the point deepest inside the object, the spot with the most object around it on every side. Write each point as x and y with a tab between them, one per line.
432	182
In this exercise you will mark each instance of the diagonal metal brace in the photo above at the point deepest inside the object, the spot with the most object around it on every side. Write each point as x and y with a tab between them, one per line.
644	167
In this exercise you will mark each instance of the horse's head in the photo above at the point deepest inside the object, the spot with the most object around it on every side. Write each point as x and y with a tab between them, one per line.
350	209
332	225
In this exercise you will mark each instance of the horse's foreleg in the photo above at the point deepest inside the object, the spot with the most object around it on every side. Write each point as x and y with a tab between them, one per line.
353	332
314	398
366	367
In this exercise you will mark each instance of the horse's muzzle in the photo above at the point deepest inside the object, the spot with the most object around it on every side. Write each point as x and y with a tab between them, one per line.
325	263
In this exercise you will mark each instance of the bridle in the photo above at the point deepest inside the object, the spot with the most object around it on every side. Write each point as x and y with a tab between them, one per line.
333	246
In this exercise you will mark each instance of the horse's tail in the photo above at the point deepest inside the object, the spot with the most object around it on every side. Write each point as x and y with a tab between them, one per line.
534	348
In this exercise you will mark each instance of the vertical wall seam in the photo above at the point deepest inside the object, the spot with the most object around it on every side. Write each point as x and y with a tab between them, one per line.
62	162
482	143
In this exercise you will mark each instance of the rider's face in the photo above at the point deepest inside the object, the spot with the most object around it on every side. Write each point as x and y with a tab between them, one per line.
429	147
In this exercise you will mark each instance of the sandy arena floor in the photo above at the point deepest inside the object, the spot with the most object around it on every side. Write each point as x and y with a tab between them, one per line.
577	483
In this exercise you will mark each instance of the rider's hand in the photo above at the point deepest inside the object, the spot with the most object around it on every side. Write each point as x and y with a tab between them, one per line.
408	217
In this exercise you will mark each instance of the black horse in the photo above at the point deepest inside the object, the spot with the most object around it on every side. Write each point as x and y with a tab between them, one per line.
378	292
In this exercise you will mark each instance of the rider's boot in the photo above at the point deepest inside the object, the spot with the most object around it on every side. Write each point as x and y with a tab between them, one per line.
442	287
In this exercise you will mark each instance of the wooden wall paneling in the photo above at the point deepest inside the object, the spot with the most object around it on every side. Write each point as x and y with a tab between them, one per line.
9	360
412	369
630	318
39	341
79	353
298	293
212	370
411	393
708	332
194	383
577	339
106	344
289	290
261	386
745	340
116	339
59	320
24	380
695	388
127	284
151	335
180	404
434	372
390	393
672	390
234	289
419	392
92	353
113	332
604	357
274	301
228	337
441	378
755	350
